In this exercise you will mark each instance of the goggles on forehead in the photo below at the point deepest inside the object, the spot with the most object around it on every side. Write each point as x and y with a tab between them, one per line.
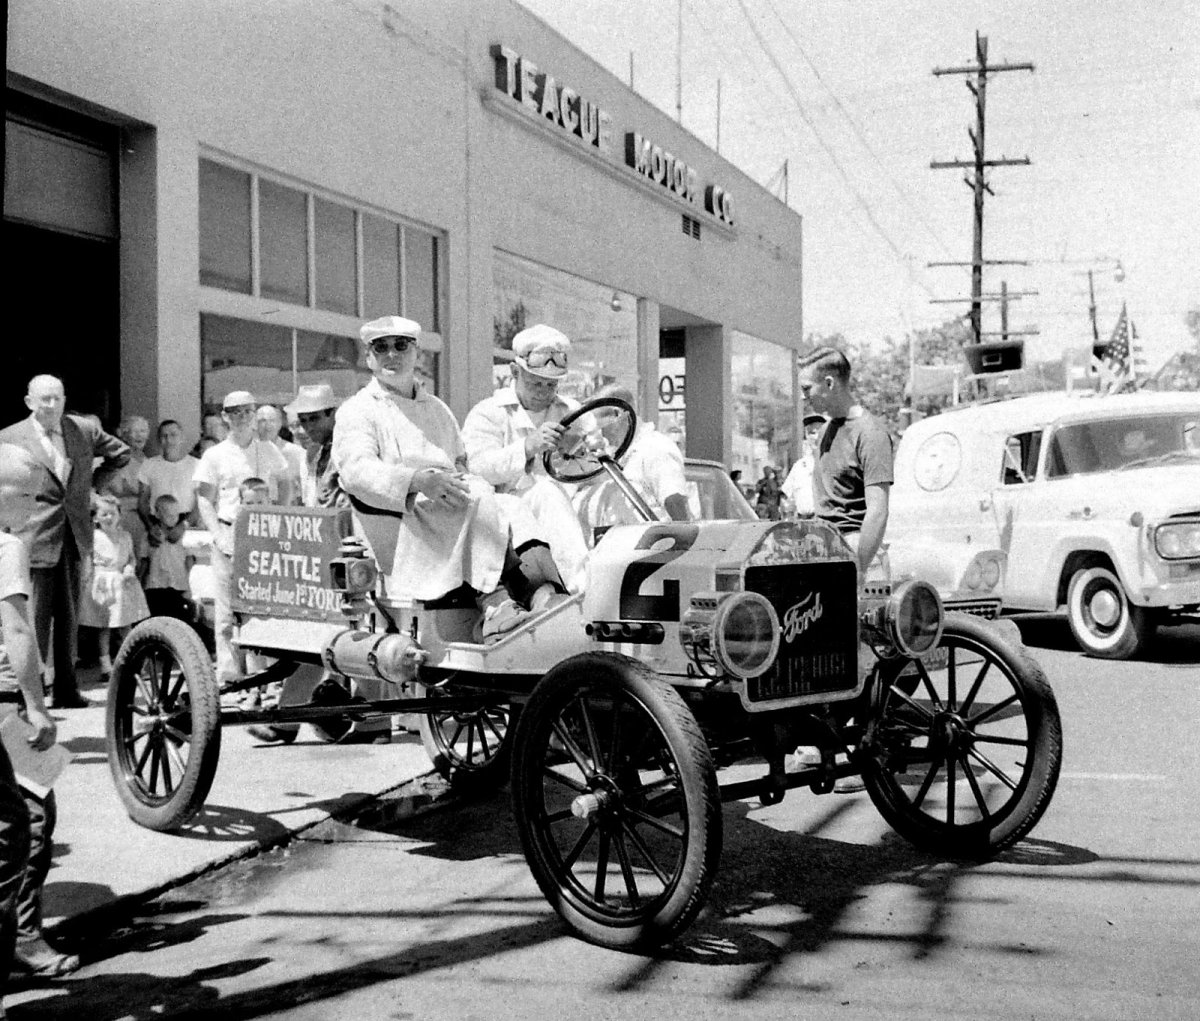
239	410
546	356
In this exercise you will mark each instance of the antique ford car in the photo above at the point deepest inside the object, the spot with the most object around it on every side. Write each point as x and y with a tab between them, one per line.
694	646
1085	504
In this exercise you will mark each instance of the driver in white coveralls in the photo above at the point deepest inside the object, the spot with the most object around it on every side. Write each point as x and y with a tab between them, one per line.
505	435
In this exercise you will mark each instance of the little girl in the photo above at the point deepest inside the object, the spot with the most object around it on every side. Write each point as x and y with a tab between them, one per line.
115	599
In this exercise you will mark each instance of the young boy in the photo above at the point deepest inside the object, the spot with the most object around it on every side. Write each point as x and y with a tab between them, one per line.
254	492
26	821
166	581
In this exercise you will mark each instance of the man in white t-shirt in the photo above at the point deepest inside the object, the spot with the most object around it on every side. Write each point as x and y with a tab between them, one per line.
268	420
221	471
171	473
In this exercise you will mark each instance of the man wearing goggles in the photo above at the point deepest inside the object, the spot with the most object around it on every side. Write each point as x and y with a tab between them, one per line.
432	526
505	435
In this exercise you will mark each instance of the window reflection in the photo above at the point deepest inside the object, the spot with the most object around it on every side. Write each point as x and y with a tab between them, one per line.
764	406
603	331
224	227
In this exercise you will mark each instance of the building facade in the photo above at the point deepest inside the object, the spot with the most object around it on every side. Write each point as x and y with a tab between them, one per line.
212	194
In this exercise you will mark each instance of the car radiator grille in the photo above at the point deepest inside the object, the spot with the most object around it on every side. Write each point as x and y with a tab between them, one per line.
989	608
817	606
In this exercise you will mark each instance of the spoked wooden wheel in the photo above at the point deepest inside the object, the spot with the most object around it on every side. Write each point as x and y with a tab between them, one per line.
961	756
616	800
163	730
470	747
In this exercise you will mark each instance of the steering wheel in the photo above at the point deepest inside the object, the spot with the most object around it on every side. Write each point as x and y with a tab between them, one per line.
603	428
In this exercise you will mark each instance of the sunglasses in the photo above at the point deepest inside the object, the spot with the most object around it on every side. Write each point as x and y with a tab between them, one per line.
382	345
240	411
546	356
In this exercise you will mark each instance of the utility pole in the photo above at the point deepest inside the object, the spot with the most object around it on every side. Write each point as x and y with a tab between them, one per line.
1092	309
977	180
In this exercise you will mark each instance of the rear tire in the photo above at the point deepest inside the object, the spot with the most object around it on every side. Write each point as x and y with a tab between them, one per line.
470	748
1103	620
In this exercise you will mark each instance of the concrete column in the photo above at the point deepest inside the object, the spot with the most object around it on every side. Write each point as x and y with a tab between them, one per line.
647	369
709	393
160	277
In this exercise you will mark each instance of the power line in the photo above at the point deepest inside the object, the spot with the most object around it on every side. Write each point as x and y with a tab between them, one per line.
859	199
858	130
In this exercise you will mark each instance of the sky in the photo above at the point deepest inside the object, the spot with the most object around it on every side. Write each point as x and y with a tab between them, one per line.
843	90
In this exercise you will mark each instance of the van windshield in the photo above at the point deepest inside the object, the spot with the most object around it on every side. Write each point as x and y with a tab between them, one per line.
1110	444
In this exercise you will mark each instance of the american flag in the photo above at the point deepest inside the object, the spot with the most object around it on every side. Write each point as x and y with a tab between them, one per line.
1117	359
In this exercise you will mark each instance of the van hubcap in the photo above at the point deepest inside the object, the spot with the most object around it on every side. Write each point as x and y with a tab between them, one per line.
1105	608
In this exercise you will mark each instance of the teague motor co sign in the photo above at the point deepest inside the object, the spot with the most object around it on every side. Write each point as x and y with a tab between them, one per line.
520	79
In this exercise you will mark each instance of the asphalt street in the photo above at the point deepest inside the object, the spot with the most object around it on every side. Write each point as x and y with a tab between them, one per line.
819	911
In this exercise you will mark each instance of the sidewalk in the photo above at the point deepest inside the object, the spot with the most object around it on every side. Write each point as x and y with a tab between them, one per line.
262	795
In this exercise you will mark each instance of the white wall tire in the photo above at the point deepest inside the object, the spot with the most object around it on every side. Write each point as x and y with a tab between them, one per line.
1102	619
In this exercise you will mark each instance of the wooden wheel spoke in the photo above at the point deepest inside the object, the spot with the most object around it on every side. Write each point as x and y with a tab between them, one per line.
950	791
562	815
487	721
155	753
569	782
601	867
993	710
580	844
657	823
951	680
913	703
640	845
589	729
457	733
470	742
969	701
164	682
1016	742
484	747
164	756
992	768
131	741
176	688
928	683
975	788
142	681
176	735
627	870
934	766
572	748
615	741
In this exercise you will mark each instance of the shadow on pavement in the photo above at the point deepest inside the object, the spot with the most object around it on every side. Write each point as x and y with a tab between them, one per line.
1176	645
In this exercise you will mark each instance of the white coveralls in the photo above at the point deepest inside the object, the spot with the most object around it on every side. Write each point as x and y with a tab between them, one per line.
380	441
494	432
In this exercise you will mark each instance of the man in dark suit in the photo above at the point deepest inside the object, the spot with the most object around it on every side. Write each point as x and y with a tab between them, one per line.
59	533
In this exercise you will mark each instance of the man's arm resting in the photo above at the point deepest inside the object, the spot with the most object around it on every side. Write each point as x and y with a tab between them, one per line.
874	525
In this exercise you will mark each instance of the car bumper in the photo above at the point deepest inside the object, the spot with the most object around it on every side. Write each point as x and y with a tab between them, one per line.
1170	584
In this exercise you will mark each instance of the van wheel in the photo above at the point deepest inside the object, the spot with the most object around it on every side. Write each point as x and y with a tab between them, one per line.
1103	621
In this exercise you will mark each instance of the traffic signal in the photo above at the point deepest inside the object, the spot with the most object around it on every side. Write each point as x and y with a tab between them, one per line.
1004	356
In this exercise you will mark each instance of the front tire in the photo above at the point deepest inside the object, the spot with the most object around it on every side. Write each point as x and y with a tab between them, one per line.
615	797
1103	620
163	723
962	758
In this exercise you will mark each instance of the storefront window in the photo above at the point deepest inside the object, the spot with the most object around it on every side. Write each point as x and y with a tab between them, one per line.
601	322
272	361
399	269
283	242
381	267
421	278
336	290
764	407
224	227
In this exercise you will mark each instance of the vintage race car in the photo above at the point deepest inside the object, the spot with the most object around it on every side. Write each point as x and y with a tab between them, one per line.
694	645
1090	505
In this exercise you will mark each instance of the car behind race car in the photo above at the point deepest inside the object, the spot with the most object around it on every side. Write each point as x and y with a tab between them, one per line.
1090	505
694	645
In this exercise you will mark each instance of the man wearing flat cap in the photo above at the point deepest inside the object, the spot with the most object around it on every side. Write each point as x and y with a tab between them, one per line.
311	416
505	435
432	526
219	475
